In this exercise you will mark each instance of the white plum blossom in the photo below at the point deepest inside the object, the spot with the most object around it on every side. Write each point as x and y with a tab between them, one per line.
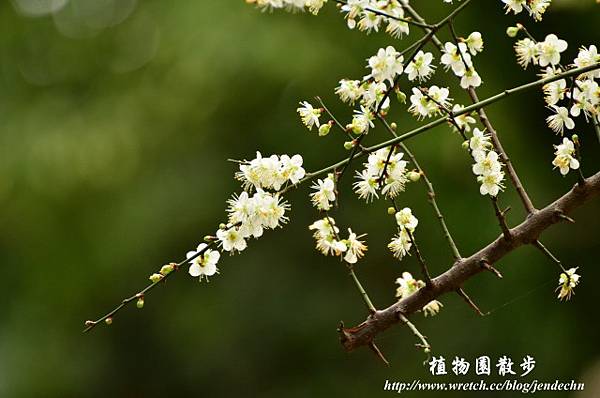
372	94
349	90
474	43
420	67
429	102
253	214
271	172
386	64
470	79
527	52
407	286
400	244
549	50
362	121
325	233
355	247
564	158
455	58
516	6
588	56
535	8
231	240
324	195
586	98
491	184
406	220
479	144
314	6
205	264
487	164
463	121
395	27
372	178
555	91
567	282
560	119
309	115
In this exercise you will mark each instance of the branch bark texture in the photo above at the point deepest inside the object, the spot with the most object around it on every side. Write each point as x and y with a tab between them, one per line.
525	233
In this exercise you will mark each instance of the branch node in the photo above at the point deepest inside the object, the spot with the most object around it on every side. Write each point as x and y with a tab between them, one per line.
484	264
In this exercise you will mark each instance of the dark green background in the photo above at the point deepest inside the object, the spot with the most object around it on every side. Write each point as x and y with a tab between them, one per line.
115	128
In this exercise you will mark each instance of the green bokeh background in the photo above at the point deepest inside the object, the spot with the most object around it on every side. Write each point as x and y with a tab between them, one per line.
116	120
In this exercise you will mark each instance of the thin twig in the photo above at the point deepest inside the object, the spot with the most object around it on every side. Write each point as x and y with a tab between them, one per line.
501	219
548	254
421	260
468	300
424	343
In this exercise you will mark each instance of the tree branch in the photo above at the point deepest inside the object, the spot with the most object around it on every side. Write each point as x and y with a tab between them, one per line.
525	233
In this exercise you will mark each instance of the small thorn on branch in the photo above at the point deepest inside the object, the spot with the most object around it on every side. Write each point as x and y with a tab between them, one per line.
563	216
489	267
424	343
378	352
502	219
468	300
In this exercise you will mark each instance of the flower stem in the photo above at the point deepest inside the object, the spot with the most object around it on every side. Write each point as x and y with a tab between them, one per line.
361	290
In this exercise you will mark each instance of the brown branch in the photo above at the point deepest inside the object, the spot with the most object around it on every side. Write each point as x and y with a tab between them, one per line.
525	233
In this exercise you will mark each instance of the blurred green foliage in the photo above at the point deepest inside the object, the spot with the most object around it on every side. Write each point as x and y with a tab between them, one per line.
116	120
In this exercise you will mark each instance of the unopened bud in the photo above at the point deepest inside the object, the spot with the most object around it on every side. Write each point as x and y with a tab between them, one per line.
348	145
512	31
391	211
324	129
575	139
401	97
155	277
222	226
167	269
108	320
414	176
427	350
140	303
208	238
393	126
465	144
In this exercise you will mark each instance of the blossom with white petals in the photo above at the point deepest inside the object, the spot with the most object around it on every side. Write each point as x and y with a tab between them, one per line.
406	220
270	172
549	50
588	56
362	121
324	195
555	91
479	144
462	121
309	115
560	119
231	239
349	90
491	184
455	58
564	158
386	64
527	52
400	244
373	177
355	247
567	282
325	233
487	164
474	43
205	264
470	79
407	286
420	67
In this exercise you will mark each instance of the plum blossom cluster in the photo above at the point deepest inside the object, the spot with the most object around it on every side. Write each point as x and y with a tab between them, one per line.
326	235
458	58
270	172
565	157
429	102
567	101
407	286
535	8
324	195
566	283
384	172
487	167
312	6
402	242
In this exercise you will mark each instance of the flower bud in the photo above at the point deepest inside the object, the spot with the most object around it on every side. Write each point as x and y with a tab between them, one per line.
414	176
208	238
465	144
427	350
348	145
222	226
140	303
391	211
401	97
512	31
324	129
575	139
155	277
166	269
108	320
393	126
